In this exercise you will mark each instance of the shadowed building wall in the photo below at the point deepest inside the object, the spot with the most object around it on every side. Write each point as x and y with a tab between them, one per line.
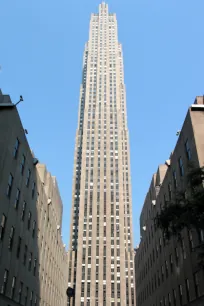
167	273
33	260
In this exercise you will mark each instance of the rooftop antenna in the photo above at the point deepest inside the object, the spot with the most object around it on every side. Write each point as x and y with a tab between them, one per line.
21	100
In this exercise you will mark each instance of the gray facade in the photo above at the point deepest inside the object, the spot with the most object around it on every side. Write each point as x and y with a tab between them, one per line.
167	273
101	254
33	260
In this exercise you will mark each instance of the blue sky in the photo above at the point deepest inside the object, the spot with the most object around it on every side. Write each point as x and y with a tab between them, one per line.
41	51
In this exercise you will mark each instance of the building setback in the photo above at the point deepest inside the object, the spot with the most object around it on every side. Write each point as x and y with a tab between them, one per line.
101	253
167	274
33	259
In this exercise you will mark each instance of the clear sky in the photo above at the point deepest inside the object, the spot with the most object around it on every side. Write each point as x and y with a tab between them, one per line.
41	49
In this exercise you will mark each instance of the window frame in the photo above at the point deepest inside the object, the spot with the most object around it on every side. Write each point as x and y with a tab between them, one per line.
11	238
28	177
17	198
181	166
10	185
16	148
22	164
188	149
3	226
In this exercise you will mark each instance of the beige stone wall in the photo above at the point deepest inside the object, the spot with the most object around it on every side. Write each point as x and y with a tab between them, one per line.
102	169
53	265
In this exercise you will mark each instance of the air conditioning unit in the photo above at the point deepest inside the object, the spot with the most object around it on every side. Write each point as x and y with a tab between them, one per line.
58	227
168	162
153	202
49	201
35	161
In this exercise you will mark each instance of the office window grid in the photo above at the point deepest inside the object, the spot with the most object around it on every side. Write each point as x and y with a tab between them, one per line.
100	186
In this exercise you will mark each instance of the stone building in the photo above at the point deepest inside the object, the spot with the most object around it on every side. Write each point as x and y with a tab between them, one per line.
167	274
101	253
33	259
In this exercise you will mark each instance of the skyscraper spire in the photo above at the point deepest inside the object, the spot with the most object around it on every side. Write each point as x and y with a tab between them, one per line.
101	252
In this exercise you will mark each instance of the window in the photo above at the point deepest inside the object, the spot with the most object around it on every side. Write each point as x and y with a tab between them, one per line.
29	219
23	211
176	255
13	287
160	244
89	274
190	235
25	255
188	150
3	226
20	292
10	245
175	179
201	236
169	191
169	299
15	151
187	289
30	261
181	294
31	297
28	177
158	278
26	296
34	266
9	186
22	164
174	297
183	249
166	268
18	247
33	230
171	262
88	289
5	280
82	289
33	189
161	303
162	272
181	168
17	198
118	290
165	302
196	284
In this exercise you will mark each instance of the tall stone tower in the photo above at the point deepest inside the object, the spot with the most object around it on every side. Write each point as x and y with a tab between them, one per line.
101	252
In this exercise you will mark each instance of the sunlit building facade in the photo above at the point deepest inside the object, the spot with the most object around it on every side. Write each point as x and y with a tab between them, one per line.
100	253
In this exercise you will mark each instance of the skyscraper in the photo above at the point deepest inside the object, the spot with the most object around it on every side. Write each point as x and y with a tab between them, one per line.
101	253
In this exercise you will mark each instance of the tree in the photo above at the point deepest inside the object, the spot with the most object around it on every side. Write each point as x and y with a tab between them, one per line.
186	210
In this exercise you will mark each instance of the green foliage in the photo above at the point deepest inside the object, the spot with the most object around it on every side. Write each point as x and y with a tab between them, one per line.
186	210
